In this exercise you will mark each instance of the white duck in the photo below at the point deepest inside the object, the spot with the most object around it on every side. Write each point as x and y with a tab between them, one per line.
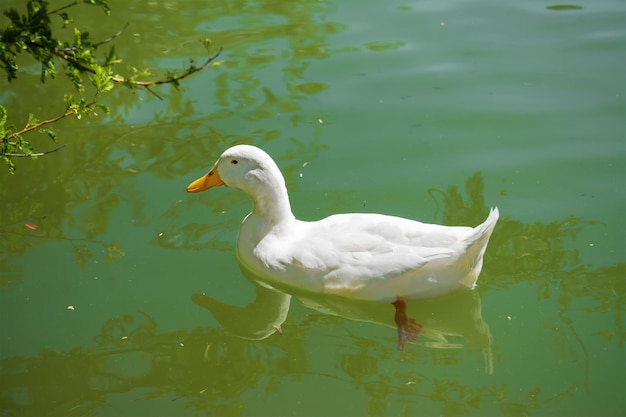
363	256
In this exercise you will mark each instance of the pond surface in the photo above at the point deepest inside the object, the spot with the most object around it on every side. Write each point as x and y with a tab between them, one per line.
128	298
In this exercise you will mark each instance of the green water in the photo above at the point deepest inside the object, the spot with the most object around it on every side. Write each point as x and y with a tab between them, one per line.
427	110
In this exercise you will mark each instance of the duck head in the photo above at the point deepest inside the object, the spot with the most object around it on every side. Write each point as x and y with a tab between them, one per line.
243	167
251	170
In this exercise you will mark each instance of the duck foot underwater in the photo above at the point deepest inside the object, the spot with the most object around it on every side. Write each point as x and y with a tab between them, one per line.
408	328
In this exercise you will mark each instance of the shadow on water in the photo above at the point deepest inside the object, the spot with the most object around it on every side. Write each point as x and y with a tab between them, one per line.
210	368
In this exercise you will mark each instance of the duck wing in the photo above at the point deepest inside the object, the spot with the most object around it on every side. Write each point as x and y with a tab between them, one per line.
350	248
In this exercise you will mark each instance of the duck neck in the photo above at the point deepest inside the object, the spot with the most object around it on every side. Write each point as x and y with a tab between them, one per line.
273	205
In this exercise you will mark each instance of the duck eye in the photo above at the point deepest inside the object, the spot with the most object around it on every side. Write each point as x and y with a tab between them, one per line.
234	162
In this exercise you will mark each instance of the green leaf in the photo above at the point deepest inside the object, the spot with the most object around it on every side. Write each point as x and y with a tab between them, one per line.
208	44
23	145
67	19
102	3
3	117
50	133
32	120
10	164
110	58
104	108
78	38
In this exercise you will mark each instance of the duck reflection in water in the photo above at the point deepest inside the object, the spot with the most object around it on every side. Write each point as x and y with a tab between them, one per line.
451	322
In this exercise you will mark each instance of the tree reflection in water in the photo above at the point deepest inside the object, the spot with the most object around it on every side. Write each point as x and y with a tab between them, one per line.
210	368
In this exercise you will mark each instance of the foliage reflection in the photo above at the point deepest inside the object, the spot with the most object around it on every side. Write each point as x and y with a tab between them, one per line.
210	369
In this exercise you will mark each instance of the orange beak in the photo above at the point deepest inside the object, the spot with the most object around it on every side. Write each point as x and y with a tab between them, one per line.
210	180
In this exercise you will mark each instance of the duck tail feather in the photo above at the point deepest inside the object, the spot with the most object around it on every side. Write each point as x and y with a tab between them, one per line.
482	232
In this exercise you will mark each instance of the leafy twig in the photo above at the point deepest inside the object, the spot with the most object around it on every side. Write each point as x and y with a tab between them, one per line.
121	80
172	80
73	48
32	33
27	129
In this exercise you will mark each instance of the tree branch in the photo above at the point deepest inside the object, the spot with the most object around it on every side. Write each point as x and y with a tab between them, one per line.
67	6
110	38
147	87
121	80
32	154
27	129
191	70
